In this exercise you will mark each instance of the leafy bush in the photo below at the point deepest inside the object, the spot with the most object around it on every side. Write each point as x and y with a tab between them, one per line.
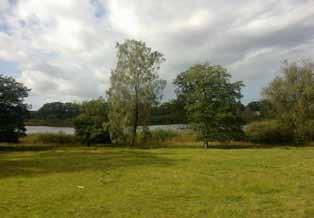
90	130
309	132
156	136
91	125
49	138
268	132
163	135
167	138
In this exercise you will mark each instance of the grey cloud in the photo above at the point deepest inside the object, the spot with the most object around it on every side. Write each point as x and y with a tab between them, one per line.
67	48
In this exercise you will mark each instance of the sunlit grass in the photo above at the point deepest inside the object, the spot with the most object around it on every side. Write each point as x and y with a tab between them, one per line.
121	182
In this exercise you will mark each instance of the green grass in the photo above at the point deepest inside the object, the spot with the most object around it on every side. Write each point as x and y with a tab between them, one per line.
119	182
49	138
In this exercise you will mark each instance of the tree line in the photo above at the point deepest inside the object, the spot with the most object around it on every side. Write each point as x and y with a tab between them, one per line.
207	100
164	113
58	113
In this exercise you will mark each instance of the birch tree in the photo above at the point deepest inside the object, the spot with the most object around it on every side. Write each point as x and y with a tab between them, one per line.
135	88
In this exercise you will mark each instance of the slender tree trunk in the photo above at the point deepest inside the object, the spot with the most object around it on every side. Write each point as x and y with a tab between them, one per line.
205	144
135	123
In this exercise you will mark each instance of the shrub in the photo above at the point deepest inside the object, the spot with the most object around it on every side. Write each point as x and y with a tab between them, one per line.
89	129
160	135
49	138
268	132
309	132
166	138
157	136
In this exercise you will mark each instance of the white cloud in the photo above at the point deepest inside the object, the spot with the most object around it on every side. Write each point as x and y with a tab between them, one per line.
4	5
66	49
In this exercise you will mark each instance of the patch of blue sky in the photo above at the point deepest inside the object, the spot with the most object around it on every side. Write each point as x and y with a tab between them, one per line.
4	27
99	10
252	91
13	2
9	68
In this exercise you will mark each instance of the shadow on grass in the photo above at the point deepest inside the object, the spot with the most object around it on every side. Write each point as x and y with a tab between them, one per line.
6	148
224	146
76	160
19	148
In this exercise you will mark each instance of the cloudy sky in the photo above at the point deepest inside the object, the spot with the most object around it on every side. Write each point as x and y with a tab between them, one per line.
64	49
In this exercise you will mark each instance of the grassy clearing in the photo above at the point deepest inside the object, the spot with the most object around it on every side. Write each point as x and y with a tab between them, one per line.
119	182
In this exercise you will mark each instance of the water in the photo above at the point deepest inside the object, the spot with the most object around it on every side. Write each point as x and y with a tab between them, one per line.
49	129
70	130
173	127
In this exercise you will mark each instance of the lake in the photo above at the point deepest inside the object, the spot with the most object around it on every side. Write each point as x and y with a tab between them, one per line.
70	130
49	129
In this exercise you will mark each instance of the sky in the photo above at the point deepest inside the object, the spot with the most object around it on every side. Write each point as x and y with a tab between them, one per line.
64	50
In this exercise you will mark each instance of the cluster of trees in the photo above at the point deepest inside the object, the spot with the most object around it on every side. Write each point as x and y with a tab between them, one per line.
57	111
255	111
171	112
207	100
63	114
54	114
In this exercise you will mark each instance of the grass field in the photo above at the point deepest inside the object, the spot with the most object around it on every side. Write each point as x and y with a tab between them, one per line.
119	182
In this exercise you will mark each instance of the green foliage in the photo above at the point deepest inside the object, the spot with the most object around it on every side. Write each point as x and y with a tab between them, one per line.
91	124
49	138
291	96
268	132
211	102
135	87
156	137
163	135
54	114
171	112
57	111
256	110
12	109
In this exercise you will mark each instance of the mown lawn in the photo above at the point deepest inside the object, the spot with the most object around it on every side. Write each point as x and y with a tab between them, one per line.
120	182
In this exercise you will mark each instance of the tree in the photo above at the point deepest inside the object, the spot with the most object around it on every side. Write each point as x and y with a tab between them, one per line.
12	109
291	96
135	87
58	110
171	112
91	125
256	110
211	102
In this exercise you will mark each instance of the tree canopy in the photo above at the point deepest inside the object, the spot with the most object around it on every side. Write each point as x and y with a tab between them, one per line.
135	87
171	112
58	110
211	102
291	96
13	110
